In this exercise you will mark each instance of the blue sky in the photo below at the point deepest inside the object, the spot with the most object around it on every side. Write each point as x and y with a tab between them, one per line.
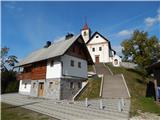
26	26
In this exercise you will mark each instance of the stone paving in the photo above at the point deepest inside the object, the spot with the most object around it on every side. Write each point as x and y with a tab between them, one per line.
72	110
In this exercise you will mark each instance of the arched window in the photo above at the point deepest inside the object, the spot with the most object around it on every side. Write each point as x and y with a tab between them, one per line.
116	62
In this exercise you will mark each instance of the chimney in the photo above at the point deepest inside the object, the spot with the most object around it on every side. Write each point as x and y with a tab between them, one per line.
48	43
68	36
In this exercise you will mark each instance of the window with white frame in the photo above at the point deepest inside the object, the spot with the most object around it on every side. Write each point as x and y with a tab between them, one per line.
72	63
79	64
93	49
100	48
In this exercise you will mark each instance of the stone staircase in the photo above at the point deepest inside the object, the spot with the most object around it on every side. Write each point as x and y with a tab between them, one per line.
113	85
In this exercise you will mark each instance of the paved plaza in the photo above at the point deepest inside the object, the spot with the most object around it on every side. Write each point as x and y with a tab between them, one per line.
69	110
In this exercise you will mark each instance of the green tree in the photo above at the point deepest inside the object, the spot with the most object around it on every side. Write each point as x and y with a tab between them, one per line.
4	53
7	61
8	76
141	49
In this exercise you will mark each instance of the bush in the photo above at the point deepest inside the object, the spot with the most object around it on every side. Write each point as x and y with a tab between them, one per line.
12	87
8	81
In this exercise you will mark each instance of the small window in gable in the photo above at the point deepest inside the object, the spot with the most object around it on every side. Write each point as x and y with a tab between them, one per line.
93	49
79	64
85	33
52	63
72	63
97	36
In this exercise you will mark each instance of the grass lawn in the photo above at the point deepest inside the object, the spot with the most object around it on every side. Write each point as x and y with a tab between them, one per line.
90	68
10	112
137	87
92	90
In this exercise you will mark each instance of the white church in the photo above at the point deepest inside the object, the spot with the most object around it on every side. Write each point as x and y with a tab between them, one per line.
99	47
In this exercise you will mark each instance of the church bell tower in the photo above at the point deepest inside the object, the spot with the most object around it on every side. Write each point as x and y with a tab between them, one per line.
85	32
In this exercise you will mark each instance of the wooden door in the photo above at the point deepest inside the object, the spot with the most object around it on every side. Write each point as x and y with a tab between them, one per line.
41	89
97	58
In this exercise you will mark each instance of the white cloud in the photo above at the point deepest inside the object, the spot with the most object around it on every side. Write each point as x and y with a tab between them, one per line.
125	33
150	21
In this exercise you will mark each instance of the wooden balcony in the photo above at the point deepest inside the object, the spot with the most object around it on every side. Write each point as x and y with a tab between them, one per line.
37	71
24	76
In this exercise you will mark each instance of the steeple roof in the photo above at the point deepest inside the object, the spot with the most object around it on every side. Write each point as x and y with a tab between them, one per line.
85	27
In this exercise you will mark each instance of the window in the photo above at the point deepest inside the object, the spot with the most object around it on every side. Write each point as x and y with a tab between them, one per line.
72	63
52	63
97	36
79	85
34	84
84	33
100	48
25	85
93	49
50	84
116	62
71	85
79	64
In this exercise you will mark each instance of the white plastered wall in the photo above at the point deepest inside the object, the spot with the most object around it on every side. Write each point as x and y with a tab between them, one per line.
25	87
75	71
96	43
55	70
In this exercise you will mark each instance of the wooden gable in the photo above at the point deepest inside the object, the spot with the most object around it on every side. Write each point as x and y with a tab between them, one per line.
77	50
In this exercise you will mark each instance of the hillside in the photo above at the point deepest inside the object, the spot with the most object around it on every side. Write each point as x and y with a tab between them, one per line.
92	89
137	87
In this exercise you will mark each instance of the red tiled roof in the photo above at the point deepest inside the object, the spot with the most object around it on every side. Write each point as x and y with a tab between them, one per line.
85	27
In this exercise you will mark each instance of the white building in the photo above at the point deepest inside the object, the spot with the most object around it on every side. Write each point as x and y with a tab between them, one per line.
56	71
99	47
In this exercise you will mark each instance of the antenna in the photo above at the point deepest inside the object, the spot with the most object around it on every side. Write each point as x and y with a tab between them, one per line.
85	19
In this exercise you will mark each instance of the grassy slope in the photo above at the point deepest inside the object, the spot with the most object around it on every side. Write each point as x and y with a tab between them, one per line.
10	112
90	68
137	88
92	89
